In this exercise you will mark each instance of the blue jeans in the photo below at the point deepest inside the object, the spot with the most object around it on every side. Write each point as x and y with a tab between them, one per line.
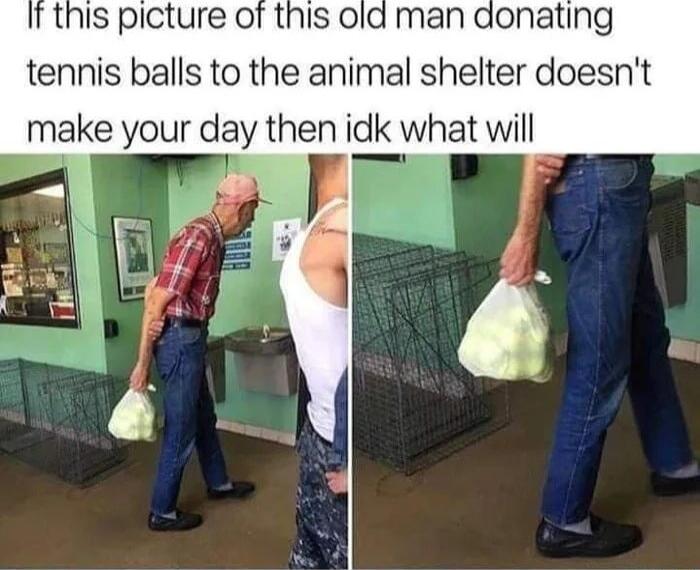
617	333
190	420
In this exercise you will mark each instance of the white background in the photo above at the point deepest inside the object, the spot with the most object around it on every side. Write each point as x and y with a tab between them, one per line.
663	118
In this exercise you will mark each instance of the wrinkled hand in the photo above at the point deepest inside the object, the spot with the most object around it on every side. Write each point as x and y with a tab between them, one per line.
519	260
550	166
155	329
138	381
338	481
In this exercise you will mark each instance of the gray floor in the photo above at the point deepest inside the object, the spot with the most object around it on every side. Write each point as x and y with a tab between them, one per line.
478	508
46	523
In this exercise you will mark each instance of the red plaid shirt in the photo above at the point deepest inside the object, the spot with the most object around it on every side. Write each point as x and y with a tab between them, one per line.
192	269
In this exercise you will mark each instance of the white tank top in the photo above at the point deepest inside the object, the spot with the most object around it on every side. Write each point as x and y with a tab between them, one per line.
320	331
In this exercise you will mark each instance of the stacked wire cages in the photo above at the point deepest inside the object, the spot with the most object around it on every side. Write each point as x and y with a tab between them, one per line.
413	402
55	419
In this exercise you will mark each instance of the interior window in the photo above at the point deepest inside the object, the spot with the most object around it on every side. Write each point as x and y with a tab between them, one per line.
36	253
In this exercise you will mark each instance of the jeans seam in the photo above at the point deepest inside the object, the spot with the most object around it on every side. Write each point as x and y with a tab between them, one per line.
180	402
594	395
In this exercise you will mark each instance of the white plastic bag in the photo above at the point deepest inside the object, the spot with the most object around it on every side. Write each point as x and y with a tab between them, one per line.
508	337
134	417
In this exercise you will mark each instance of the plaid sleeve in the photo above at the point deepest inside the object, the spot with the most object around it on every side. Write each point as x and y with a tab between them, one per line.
184	256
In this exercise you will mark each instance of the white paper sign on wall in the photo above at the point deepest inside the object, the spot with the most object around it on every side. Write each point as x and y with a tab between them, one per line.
283	234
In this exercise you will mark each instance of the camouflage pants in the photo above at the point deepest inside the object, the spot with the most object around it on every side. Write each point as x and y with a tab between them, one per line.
322	517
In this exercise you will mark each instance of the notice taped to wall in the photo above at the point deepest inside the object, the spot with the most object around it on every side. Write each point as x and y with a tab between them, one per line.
283	234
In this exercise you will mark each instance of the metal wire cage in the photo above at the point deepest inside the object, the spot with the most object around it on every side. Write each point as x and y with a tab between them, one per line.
413	402
55	419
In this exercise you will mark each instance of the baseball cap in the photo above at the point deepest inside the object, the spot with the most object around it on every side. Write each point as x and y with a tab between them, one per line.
238	189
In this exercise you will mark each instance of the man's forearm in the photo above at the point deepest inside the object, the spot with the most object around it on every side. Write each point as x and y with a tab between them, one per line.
146	344
533	194
519	259
155	304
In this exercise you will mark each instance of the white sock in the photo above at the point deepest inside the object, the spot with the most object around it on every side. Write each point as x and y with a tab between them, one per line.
690	470
172	516
583	527
225	487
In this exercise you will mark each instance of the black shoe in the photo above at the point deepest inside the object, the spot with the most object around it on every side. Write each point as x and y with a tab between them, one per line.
238	490
608	539
182	521
663	486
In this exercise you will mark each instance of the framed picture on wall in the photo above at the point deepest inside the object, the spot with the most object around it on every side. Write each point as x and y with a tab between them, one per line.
133	246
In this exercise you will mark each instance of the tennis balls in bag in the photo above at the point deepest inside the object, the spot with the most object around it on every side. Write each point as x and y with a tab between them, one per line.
134	417
509	337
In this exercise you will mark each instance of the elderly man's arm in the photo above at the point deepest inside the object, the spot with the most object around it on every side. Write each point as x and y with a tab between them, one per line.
154	310
156	327
519	260
179	267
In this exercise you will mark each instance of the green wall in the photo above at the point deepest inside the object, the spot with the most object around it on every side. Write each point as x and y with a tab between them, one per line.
105	186
251	297
485	211
169	193
409	201
85	347
418	202
684	321
132	187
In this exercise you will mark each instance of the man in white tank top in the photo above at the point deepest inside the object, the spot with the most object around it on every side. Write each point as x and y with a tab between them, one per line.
315	288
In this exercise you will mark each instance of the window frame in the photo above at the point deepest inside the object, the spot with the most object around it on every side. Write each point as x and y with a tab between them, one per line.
27	186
